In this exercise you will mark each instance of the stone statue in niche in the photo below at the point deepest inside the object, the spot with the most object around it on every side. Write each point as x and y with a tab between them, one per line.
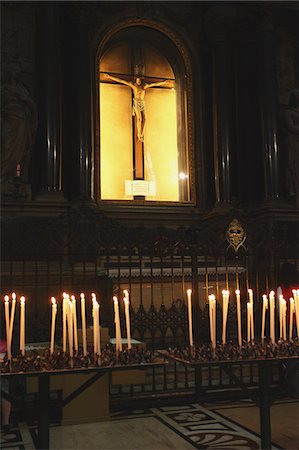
18	130
291	124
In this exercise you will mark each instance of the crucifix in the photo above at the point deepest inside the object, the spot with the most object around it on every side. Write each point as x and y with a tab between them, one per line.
139	87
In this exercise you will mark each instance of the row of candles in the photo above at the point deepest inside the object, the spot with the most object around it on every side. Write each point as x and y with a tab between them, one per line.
69	323
266	305
70	328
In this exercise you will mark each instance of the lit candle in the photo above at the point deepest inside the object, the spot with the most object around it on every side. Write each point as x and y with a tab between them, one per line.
284	318
83	319
94	317
99	328
296	304
250	295
210	297
272	316
265	307
64	314
280	315
75	323
54	312
292	304
212	311
225	299
70	327
238	301
127	314
6	309
189	293
96	329
12	317
249	329
117	325
22	325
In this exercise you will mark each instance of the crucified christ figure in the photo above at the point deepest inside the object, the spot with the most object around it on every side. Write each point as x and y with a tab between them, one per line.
138	87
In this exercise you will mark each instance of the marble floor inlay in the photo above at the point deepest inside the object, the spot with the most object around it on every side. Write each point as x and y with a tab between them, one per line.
221	426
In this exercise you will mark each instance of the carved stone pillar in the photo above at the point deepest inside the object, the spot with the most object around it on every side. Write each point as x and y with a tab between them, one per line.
218	23
268	104
78	103
48	67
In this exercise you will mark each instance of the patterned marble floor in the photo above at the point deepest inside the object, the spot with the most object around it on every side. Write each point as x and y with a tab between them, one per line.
223	426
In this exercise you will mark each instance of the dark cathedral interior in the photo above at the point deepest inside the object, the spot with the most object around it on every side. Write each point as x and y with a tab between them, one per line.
149	224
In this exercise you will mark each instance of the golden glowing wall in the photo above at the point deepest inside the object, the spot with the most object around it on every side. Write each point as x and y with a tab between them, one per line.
116	140
161	142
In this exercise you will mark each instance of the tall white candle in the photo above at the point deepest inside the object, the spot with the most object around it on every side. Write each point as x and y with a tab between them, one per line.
250	295
265	307
12	317
225	299
249	329
117	325
6	310
284	319
212	313
69	319
238	301
22	325
292	304
190	325
296	305
99	328
127	315
53	323
94	318
64	314
75	323
280	315
272	316
214	322
83	319
210	297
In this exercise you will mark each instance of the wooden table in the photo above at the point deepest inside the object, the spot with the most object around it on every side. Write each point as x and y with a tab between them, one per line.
44	389
264	401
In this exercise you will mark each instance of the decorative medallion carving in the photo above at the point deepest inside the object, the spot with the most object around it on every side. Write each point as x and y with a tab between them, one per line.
235	235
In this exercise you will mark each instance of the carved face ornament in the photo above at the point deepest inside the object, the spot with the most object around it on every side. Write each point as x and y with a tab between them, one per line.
235	235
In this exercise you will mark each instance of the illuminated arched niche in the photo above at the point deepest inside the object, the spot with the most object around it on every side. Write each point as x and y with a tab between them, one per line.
155	170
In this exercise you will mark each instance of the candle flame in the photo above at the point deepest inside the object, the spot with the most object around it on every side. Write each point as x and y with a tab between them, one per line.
189	291
13	296
6	298
115	299
73	298
53	300
82	296
237	292
22	299
211	297
291	300
272	294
